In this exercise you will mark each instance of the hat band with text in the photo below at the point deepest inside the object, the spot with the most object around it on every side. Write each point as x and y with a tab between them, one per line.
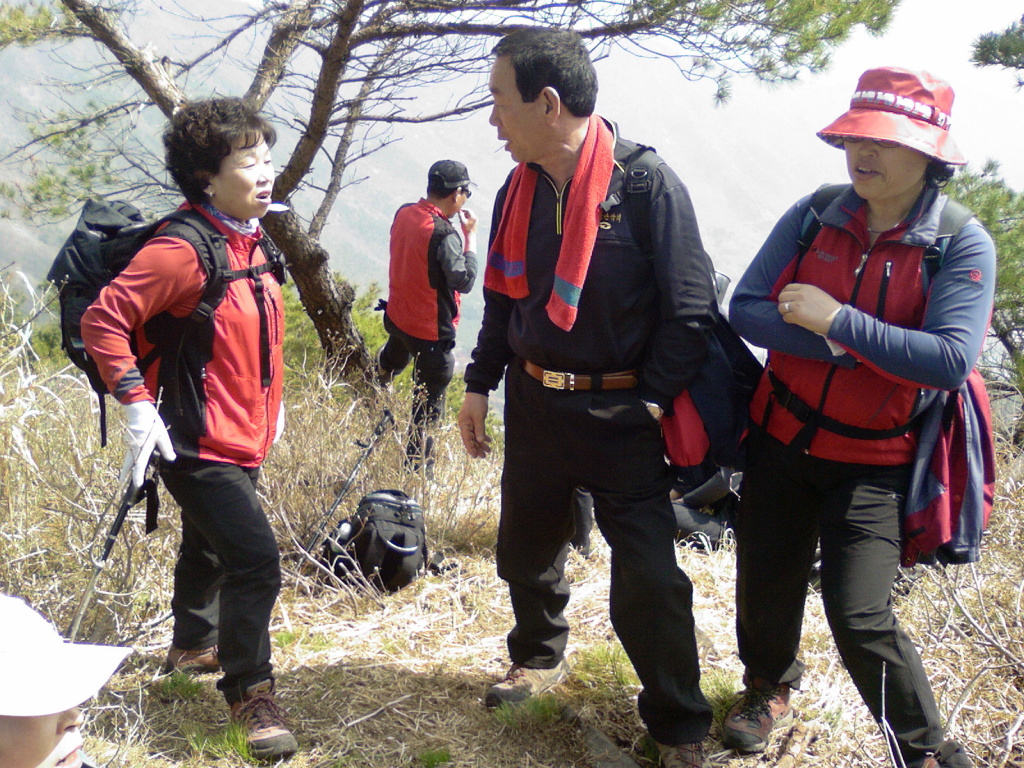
897	103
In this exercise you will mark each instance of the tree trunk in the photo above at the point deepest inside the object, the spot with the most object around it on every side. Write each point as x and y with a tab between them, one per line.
328	300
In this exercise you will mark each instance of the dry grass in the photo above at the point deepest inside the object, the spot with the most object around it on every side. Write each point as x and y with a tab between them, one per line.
385	681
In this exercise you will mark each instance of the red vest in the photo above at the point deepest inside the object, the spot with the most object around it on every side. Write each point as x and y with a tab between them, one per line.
419	301
888	286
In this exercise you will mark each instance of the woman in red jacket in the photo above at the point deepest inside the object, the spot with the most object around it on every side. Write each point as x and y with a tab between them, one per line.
209	407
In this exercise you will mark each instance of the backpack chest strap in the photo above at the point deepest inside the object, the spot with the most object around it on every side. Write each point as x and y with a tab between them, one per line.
815	419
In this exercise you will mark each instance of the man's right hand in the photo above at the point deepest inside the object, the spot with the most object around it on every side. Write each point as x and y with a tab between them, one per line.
469	222
471	425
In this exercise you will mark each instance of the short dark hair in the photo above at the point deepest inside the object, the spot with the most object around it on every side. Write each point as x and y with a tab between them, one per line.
202	133
543	57
938	173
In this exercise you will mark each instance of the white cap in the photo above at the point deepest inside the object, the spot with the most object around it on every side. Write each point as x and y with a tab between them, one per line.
40	674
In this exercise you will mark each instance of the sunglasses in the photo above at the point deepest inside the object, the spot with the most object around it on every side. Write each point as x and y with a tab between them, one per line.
467	192
884	143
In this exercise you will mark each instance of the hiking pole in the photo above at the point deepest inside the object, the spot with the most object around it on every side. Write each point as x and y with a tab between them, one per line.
128	500
367	445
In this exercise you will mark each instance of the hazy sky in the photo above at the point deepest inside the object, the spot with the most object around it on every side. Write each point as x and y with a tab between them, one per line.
745	163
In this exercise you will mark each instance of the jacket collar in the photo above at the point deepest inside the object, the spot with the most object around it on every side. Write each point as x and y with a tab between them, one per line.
235	238
923	219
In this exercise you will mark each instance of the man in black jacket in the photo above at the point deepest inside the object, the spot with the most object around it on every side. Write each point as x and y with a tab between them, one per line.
595	338
431	265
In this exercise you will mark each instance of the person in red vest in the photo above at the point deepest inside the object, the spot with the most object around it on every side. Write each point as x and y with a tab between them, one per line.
856	339
431	266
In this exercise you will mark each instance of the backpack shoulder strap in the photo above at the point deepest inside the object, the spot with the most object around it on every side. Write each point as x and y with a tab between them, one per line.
952	219
637	185
211	247
811	224
276	261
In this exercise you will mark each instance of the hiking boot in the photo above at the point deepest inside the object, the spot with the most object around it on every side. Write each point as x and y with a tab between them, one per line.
195	662
949	755
521	683
682	755
259	713
761	709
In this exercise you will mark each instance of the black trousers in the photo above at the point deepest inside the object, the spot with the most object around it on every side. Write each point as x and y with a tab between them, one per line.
788	501
228	573
433	368
610	444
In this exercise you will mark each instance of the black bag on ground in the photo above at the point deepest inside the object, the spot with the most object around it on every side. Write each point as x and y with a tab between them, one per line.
384	542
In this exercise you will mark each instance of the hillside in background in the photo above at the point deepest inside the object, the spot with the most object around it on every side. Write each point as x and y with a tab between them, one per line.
744	163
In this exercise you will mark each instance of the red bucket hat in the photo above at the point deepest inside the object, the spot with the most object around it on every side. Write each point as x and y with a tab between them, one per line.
893	104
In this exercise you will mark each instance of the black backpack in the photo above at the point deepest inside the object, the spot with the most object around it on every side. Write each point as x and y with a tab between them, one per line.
105	239
723	387
384	543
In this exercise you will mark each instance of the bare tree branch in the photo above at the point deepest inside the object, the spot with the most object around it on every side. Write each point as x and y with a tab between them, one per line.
154	79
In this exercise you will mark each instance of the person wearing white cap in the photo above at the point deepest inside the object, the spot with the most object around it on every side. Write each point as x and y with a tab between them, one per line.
860	333
44	682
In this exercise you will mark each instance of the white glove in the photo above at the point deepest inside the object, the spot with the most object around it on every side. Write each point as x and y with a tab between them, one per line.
146	433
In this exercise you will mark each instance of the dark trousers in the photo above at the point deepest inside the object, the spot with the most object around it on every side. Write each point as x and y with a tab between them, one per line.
433	368
228	572
610	444
788	501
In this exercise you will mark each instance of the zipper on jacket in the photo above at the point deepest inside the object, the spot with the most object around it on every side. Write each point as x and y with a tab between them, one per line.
860	267
559	201
883	290
268	310
827	384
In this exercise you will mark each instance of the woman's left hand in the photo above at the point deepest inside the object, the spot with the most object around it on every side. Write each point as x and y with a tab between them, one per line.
808	306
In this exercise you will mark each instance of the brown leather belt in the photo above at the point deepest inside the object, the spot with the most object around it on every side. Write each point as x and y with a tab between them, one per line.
581	381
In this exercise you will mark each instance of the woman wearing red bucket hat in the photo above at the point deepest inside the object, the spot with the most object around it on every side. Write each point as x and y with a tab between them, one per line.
858	331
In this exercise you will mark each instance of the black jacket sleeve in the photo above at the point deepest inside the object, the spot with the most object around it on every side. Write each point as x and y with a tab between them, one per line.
493	352
688	306
459	267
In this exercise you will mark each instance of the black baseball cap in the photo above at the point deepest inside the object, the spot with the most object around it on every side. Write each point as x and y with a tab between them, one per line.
452	173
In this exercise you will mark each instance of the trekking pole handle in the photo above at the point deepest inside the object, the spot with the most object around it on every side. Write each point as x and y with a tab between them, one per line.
128	499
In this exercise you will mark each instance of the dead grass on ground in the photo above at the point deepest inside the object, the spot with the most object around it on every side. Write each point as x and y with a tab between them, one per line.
383	681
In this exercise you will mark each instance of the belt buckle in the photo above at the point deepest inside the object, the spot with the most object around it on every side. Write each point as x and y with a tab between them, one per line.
557	380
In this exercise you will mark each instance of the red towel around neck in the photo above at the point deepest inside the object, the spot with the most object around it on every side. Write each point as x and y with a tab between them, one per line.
506	262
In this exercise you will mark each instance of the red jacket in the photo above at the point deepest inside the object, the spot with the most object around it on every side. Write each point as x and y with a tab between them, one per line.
237	413
428	271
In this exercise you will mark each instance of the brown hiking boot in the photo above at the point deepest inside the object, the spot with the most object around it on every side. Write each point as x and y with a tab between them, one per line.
259	713
195	662
762	708
682	755
521	683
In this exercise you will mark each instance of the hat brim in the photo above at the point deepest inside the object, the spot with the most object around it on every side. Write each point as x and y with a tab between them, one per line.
65	675
881	125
